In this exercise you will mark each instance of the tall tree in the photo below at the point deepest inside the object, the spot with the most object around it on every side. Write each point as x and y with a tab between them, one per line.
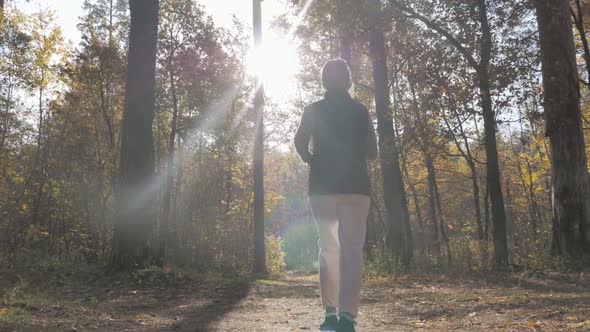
135	212
481	66
46	45
259	250
399	234
174	37
570	183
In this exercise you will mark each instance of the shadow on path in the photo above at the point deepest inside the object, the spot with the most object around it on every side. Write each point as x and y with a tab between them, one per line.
206	310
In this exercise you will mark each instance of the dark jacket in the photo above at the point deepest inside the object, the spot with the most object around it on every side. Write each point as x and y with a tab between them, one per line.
342	135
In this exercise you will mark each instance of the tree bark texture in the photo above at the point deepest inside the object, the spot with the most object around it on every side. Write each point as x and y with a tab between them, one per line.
571	208
135	189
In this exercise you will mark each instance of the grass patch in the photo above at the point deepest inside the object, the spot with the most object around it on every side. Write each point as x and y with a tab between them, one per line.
270	282
14	316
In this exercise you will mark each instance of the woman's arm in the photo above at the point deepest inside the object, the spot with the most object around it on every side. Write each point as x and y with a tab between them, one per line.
372	149
303	135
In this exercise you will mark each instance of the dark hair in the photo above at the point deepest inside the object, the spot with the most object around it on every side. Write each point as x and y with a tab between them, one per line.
336	76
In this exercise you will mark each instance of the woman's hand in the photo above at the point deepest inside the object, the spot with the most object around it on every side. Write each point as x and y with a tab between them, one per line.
303	136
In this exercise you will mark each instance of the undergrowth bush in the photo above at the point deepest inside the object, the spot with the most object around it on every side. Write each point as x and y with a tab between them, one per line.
275	257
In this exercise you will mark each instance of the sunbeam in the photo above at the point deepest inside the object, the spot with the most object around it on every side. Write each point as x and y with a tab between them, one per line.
276	61
219	111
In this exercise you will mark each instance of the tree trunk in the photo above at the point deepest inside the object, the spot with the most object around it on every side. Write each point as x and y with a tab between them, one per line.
489	121
105	115
436	236
166	221
478	218
399	236
421	233
137	181
258	204
40	160
441	221
571	190
493	177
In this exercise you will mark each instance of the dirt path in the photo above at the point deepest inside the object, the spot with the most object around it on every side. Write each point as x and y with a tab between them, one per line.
502	303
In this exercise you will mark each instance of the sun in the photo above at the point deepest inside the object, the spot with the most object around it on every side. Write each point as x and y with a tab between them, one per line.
277	63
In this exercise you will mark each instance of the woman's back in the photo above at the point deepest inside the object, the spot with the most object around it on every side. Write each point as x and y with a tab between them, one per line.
339	132
340	129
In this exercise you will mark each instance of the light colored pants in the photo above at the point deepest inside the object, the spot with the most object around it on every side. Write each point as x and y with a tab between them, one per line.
342	224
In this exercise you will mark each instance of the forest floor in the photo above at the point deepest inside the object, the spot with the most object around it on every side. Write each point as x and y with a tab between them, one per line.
157	301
